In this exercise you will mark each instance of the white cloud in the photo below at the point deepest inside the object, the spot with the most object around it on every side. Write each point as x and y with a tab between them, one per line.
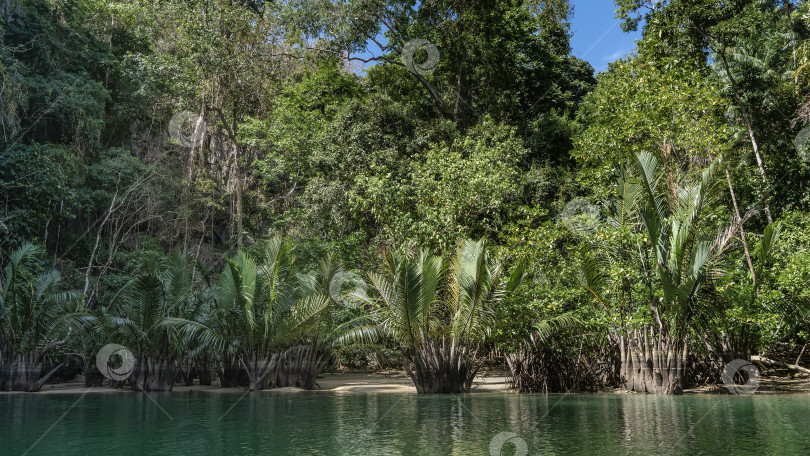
616	55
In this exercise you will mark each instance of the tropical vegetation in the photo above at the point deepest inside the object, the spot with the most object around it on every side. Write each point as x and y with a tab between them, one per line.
252	193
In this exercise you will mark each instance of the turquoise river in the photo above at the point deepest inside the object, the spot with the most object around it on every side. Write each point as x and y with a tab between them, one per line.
318	423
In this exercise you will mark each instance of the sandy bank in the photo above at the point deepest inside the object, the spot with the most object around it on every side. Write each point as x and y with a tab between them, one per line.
399	382
387	382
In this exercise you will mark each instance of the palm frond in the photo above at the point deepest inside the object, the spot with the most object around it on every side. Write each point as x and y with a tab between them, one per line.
544	329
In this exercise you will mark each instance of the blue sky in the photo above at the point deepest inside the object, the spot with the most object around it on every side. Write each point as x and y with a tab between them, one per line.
597	36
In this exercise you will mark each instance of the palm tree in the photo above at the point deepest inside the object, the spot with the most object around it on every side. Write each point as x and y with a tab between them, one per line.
36	318
675	221
263	320
140	318
439	316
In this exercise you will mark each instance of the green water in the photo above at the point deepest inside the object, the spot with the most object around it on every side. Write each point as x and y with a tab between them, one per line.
198	423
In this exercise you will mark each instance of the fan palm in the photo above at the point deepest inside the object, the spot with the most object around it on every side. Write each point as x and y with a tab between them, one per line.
35	319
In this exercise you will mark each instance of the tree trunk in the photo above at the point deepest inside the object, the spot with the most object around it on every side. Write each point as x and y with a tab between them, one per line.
205	375
92	376
161	374
653	363
749	126
137	379
761	168
239	228
152	373
232	134
773	362
186	373
258	368
742	232
99	231
231	373
560	369
439	368
299	367
23	372
5	371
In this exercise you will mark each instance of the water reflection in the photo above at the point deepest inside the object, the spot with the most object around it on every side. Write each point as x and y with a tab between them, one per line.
393	424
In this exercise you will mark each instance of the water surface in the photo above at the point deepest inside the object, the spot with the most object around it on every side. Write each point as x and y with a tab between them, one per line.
313	423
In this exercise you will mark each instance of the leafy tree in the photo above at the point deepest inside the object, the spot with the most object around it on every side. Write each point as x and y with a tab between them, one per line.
35	319
455	190
648	106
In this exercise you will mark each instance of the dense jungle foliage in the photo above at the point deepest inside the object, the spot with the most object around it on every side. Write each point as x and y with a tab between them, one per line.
316	202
